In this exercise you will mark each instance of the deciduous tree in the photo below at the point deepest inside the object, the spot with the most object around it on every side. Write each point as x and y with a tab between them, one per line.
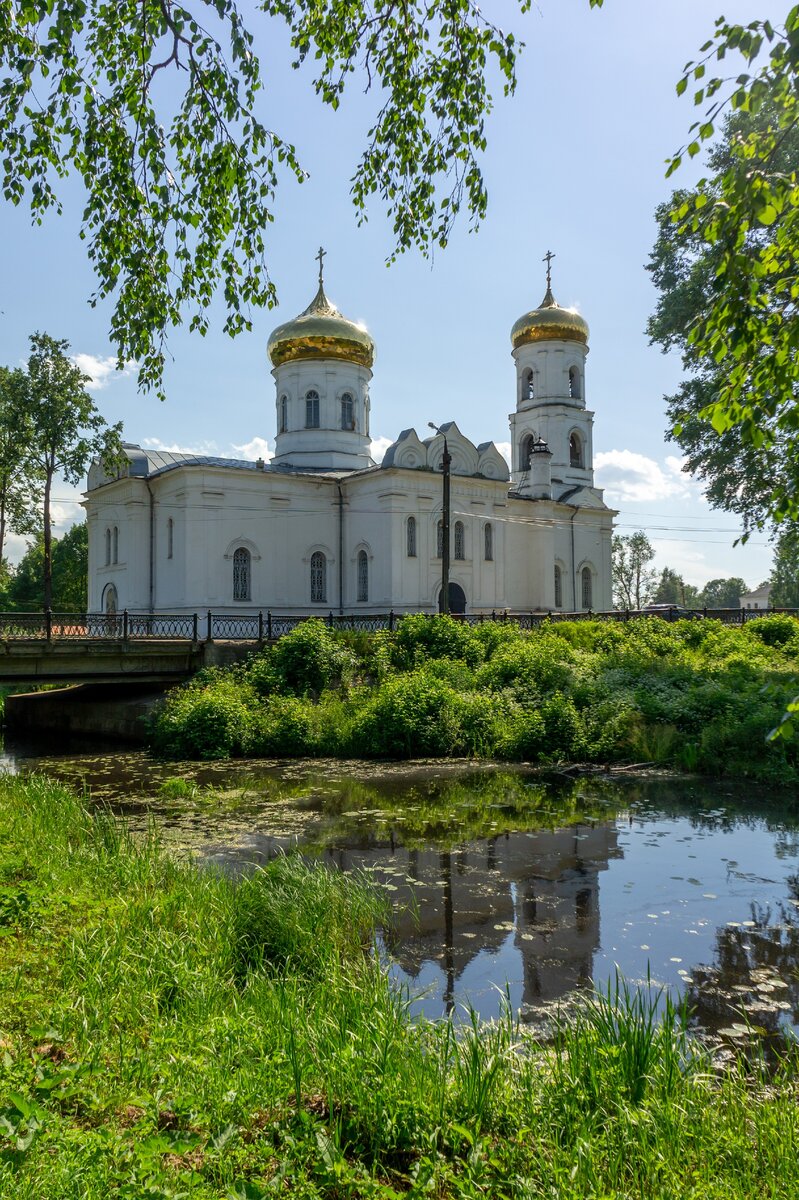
157	107
66	430
19	495
633	579
723	593
743	221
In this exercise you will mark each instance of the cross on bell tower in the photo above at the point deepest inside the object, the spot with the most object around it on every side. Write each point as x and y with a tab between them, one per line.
320	259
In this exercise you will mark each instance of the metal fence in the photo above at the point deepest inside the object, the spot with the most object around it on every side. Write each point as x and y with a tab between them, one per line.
265	626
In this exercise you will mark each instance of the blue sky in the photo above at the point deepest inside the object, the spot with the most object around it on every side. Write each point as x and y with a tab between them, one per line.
575	164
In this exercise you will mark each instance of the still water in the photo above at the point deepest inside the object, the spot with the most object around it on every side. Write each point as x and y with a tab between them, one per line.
503	878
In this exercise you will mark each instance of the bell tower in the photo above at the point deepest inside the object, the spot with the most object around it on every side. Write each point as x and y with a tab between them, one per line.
550	346
322	366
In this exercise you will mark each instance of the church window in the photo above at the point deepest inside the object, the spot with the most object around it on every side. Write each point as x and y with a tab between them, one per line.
411	537
170	537
108	547
587	588
575	451
312	410
347	411
574	383
284	414
110	600
558	587
528	385
440	540
116	544
525	450
488	537
363	576
241	574
460	540
318	578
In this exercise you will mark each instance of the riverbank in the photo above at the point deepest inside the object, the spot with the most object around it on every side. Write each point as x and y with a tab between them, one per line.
693	695
166	1032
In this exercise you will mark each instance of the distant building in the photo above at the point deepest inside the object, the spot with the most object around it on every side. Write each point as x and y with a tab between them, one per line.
323	528
759	598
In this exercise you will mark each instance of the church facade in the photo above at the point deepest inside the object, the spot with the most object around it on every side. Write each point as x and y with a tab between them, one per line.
324	528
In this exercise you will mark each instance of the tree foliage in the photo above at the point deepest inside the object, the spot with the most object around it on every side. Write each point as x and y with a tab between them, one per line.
65	430
19	492
156	107
633	578
738	474
23	590
785	573
740	230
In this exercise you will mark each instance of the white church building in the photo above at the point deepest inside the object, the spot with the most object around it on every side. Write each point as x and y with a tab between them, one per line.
323	528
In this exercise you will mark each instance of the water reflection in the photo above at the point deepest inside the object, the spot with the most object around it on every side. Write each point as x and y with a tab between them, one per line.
501	877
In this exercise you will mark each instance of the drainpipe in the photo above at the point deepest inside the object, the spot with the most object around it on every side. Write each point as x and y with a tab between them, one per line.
575	509
340	548
152	546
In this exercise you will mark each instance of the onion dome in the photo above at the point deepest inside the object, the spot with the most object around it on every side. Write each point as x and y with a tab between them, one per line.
549	322
321	332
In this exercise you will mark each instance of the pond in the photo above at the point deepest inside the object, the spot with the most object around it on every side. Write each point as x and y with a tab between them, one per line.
502	877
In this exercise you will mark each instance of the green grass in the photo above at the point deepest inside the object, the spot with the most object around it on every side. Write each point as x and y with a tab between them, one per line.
167	1032
693	695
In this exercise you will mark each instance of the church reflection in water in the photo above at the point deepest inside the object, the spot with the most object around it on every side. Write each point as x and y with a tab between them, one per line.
537	891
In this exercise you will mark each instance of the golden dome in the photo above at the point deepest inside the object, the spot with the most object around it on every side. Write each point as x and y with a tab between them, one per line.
321	332
549	322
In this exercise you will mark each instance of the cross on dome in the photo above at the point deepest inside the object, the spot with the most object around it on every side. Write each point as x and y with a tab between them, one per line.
320	258
548	260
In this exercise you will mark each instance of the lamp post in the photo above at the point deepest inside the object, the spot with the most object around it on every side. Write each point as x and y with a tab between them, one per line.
445	462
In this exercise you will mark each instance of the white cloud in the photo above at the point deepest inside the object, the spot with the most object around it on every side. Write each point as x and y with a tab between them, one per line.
255	449
379	446
505	450
174	448
101	370
630	478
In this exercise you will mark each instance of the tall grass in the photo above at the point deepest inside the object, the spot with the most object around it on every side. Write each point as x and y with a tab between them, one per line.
167	1032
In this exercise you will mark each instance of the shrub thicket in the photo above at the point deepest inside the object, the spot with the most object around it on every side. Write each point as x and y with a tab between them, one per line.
696	695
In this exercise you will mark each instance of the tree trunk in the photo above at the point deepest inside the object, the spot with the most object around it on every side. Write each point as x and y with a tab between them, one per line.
2	521
48	544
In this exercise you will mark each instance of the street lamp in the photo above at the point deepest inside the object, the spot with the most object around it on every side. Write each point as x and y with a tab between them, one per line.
445	462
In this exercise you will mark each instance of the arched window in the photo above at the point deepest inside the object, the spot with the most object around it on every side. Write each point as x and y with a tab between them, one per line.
312	410
558	587
241	574
488	542
110	600
528	385
108	547
587	587
525	451
440	540
574	383
284	414
347	411
116	544
318	578
575	451
170	537
411	537
363	576
460	540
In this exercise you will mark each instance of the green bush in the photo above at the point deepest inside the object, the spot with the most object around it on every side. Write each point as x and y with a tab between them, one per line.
420	637
412	716
310	658
282	727
692	694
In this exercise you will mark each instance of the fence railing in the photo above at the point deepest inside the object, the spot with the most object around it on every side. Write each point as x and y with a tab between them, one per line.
266	626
